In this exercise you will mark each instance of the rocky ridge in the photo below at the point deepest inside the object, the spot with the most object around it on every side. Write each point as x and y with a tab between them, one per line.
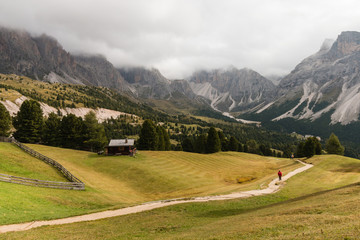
327	82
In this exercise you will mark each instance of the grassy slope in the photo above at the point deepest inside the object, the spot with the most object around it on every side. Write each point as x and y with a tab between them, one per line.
114	182
306	208
46	90
14	161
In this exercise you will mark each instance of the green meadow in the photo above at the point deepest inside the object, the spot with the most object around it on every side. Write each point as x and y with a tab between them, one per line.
120	181
321	203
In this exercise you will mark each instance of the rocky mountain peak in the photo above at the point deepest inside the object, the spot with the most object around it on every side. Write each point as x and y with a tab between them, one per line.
347	43
326	45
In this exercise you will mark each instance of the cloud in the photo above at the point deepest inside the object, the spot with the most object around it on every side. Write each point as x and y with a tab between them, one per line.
180	36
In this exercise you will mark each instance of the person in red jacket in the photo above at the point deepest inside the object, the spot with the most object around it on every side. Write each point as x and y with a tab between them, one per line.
279	174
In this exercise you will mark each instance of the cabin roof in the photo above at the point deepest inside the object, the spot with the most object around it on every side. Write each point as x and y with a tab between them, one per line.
121	142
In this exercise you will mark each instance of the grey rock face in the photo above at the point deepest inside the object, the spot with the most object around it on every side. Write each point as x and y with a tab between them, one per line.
232	89
151	84
43	58
147	83
327	81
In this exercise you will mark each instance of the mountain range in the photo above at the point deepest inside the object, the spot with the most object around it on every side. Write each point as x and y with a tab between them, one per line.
324	87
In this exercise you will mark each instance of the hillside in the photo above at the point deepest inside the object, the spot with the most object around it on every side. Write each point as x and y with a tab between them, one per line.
79	100
115	182
43	58
321	203
69	96
16	162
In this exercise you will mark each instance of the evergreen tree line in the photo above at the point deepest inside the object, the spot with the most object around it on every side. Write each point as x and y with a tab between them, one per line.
74	132
153	137
215	141
68	131
312	146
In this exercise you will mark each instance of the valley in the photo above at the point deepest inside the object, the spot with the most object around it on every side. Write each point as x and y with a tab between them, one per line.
216	131
117	182
328	202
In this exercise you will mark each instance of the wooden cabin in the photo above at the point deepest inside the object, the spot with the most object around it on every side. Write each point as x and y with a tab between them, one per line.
120	147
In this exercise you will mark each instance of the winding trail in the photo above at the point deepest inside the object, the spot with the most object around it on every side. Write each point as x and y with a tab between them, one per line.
272	188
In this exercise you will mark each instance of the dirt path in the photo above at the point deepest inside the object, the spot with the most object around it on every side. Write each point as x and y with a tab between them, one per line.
272	188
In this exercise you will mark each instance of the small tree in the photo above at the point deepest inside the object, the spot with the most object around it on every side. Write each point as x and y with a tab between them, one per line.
72	131
166	139
311	147
333	145
187	145
160	139
5	121
94	139
200	144
252	146
224	142
213	144
233	144
29	122
148	136
51	133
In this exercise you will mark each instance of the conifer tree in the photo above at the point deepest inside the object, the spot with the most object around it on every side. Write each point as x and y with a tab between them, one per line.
51	133
246	148
200	144
213	144
5	121
233	144
148	136
160	139
333	145
223	141
187	145
166	139
252	146
311	147
29	122
72	131
240	147
94	138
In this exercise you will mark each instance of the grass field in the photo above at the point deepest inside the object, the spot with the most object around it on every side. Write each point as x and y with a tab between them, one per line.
316	204
14	161
115	182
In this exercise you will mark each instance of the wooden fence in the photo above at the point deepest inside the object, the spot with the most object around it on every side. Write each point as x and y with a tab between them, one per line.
74	183
41	183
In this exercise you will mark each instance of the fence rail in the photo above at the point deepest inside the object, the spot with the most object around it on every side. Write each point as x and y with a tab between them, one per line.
41	183
74	183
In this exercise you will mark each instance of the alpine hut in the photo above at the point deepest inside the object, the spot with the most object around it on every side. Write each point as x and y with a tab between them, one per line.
120	147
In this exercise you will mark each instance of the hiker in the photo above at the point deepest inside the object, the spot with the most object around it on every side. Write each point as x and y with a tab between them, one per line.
279	174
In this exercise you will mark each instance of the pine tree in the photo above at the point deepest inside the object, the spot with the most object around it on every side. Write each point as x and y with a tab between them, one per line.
166	139
29	122
94	138
252	146
187	145
223	141
213	144
240	148
200	144
246	148
148	136
5	121
300	150
311	147
233	144
51	133
160	139
72	132
333	145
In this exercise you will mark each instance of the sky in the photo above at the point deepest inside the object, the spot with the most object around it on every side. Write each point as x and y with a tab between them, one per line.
179	37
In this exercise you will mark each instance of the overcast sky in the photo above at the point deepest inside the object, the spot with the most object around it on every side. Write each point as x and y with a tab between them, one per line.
180	36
